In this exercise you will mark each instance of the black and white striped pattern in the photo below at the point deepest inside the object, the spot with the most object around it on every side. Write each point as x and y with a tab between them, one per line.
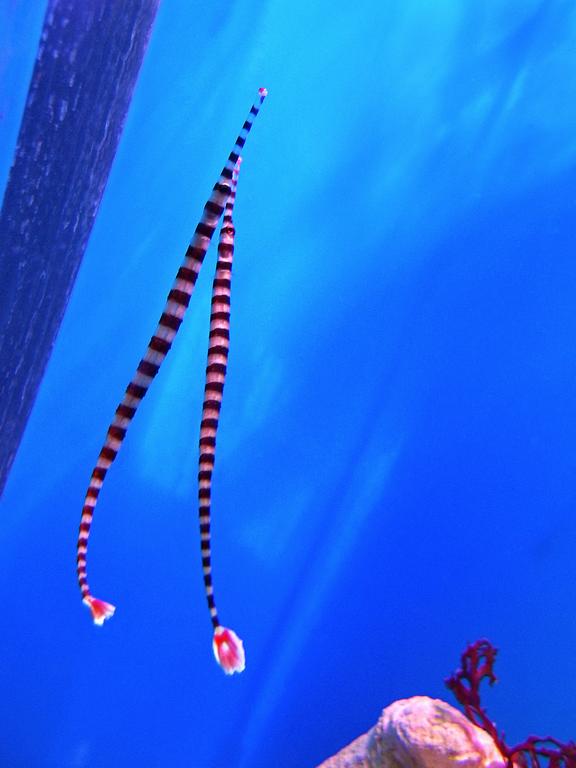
227	646
219	342
158	348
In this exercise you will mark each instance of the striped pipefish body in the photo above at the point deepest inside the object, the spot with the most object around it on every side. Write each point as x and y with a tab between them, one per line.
158	347
227	646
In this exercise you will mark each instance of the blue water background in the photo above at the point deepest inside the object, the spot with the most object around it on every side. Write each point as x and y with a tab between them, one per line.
396	471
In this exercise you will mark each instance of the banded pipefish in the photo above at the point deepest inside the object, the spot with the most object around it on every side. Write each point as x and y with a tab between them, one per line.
157	349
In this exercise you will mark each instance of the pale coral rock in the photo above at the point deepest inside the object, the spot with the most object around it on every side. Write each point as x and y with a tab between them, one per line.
420	733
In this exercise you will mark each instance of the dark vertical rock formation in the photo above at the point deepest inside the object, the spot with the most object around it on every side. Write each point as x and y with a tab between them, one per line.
86	68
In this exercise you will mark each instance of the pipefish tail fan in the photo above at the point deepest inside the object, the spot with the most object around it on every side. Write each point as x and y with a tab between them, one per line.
158	348
227	646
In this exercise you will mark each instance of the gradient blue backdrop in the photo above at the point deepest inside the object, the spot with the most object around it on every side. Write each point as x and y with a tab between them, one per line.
396	472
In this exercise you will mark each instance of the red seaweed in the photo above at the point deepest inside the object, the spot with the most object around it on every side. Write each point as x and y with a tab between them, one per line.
477	663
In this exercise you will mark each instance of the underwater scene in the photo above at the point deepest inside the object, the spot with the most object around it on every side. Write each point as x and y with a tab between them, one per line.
359	456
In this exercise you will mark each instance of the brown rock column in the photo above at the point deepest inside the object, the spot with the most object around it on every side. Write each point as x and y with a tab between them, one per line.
87	64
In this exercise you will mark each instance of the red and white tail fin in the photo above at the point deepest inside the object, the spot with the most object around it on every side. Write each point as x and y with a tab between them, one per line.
157	349
228	650
99	609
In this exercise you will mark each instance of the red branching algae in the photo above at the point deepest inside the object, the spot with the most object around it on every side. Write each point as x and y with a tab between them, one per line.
477	663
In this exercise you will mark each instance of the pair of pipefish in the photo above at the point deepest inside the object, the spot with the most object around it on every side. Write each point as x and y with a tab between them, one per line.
227	646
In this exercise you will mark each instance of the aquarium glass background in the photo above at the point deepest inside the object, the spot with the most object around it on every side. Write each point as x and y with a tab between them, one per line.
396	469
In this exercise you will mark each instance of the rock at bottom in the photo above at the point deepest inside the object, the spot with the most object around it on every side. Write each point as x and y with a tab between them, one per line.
420	732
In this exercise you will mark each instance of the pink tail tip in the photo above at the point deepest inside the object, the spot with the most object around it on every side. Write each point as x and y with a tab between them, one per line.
100	610
263	92
228	650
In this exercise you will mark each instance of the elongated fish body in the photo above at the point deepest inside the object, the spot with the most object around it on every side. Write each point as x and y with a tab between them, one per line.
227	646
158	347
